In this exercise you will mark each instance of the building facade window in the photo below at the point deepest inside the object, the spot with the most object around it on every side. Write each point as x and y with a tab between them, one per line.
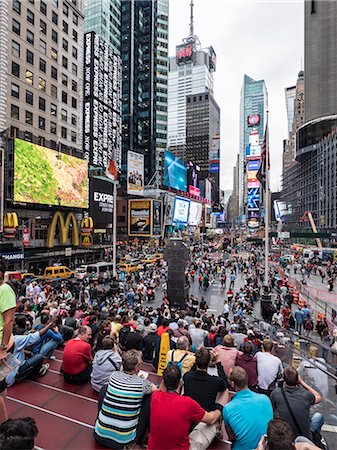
65	26
53	110
54	54
65	62
29	97
63	132
15	112
53	127
42	104
73	102
73	136
42	84
65	44
64	115
43	27
75	35
73	119
30	37
29	77
30	57
42	65
74	85
43	8
16	49
64	97
74	52
42	123
74	69
53	72
29	118
15	90
75	19
30	16
43	46
54	36
17	6
64	79
54	18
53	91
16	27
65	9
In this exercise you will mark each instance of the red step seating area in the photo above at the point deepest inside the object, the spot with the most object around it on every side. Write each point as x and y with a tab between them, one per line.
65	414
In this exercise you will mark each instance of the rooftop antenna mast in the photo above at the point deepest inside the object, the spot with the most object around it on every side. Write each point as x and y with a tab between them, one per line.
191	19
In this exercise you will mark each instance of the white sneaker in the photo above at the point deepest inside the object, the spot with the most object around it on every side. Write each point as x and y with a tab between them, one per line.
52	357
44	369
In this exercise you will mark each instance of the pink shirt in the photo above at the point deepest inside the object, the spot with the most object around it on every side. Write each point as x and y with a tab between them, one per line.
227	357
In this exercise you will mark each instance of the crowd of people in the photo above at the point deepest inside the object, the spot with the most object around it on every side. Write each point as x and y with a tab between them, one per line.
221	378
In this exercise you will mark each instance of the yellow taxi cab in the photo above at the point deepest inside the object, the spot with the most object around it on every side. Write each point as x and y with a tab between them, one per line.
58	272
158	256
149	259
128	267
29	275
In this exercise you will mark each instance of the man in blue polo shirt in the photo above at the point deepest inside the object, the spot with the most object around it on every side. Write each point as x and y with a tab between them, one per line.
247	415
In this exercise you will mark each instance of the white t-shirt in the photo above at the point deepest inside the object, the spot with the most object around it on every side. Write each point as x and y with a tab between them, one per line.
268	366
197	335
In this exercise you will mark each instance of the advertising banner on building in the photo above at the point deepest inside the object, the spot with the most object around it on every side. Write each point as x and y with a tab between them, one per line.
181	211
253	120
253	152
214	153
102	102
253	198
254	138
168	208
253	164
195	213
214	167
157	218
192	175
101	201
140	217
135	185
47	177
208	191
175	172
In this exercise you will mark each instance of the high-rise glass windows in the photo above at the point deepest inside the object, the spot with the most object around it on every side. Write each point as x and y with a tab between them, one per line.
15	90
29	77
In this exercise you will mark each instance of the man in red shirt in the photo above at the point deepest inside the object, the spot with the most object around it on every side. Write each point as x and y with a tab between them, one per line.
77	358
163	327
171	415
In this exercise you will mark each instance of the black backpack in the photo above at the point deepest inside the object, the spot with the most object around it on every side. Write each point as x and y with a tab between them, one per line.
123	333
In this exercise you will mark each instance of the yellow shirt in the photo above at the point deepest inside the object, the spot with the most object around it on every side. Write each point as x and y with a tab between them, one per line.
187	363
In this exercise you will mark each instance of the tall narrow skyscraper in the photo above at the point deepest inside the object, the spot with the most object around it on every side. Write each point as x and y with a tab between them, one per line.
190	72
253	110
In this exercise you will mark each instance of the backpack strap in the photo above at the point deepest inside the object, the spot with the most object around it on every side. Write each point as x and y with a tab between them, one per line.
172	356
113	363
183	357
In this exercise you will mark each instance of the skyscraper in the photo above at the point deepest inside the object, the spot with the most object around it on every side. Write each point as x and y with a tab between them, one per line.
203	138
144	44
290	94
320	59
253	111
104	18
190	72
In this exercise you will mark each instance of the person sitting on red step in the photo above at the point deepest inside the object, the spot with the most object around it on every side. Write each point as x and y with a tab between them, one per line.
77	357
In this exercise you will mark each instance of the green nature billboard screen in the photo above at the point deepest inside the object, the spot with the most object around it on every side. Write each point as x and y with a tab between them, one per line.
48	177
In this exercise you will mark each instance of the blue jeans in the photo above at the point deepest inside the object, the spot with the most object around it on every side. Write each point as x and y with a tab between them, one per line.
31	366
48	348
317	421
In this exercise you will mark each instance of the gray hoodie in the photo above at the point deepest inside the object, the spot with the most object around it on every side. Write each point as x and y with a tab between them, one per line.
102	367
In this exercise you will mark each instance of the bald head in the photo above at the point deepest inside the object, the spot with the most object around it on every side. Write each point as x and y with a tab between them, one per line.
183	343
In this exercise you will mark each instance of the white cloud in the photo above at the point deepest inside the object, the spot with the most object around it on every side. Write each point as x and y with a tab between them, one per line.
263	39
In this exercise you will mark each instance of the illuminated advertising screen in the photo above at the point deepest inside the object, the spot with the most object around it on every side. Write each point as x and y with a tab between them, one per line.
253	182
101	201
140	217
184	53
253	198
194	217
168	208
192	175
253	223
254	138
253	165
135	184
253	151
192	190
214	167
47	177
175	172
181	211
253	120
214	153
156	218
253	214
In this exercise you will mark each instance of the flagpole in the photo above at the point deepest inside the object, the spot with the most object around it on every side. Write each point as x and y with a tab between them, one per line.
114	231
266	219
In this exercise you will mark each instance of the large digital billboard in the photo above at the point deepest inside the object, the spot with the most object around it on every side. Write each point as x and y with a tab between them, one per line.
157	218
195	213
175	172
102	102
169	206
135	183
180	211
47	177
184	52
253	165
140	217
101	201
253	151
253	198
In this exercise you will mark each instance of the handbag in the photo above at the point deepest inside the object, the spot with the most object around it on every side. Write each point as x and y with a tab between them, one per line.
318	440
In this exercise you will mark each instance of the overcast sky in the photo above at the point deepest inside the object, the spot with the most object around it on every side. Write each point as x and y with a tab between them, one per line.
263	39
